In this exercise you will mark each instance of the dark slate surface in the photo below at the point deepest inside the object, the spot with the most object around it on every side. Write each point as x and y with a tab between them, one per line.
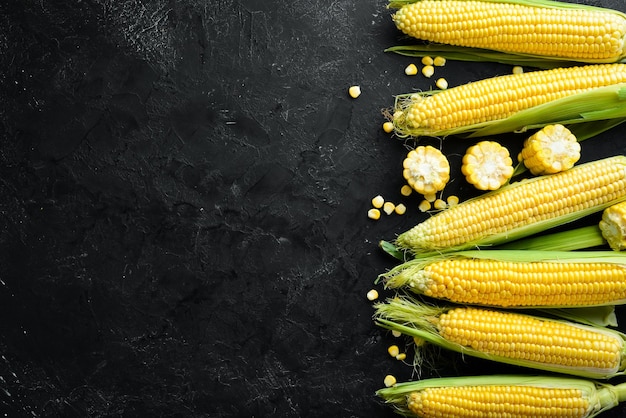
184	188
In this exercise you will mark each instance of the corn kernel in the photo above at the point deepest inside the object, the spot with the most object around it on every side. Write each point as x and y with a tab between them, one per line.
396	333
400	209
378	202
406	190
354	91
424	206
388	127
393	350
431	197
428	71
518	70
389	207
373	214
401	356
439	204
452	200
439	61
442	83
372	294
427	60
390	380
419	341
411	69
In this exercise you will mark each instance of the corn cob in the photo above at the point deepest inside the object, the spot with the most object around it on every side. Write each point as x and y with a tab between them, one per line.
529	28
516	279
515	102
508	337
613	226
550	150
512	396
521	209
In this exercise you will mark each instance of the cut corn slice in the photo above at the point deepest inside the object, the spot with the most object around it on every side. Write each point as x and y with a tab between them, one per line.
553	30
515	102
550	150
520	396
516	279
509	337
521	209
426	169
613	226
487	165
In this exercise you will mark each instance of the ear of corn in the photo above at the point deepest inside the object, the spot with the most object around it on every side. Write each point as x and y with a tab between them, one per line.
503	395
550	150
521	209
613	226
509	337
516	279
532	29
515	102
487	165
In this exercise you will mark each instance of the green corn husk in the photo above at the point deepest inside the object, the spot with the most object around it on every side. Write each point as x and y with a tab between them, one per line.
599	397
465	53
507	287
419	320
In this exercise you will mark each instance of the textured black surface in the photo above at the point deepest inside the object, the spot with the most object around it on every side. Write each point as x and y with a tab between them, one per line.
183	196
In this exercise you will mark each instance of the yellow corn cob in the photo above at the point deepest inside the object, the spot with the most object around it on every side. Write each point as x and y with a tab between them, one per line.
426	170
487	165
521	209
476	104
575	33
509	337
550	150
513	396
613	226
516	279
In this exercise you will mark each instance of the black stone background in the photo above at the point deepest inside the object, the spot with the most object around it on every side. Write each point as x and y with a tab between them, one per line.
184	187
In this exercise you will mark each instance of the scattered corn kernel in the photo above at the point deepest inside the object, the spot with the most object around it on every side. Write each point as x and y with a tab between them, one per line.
439	204
372	294
439	61
396	333
428	71
406	190
389	207
427	60
518	70
373	214
431	197
390	380
452	200
419	341
378	202
388	127
424	206
401	356
400	209
354	91
393	350
442	83
410	69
